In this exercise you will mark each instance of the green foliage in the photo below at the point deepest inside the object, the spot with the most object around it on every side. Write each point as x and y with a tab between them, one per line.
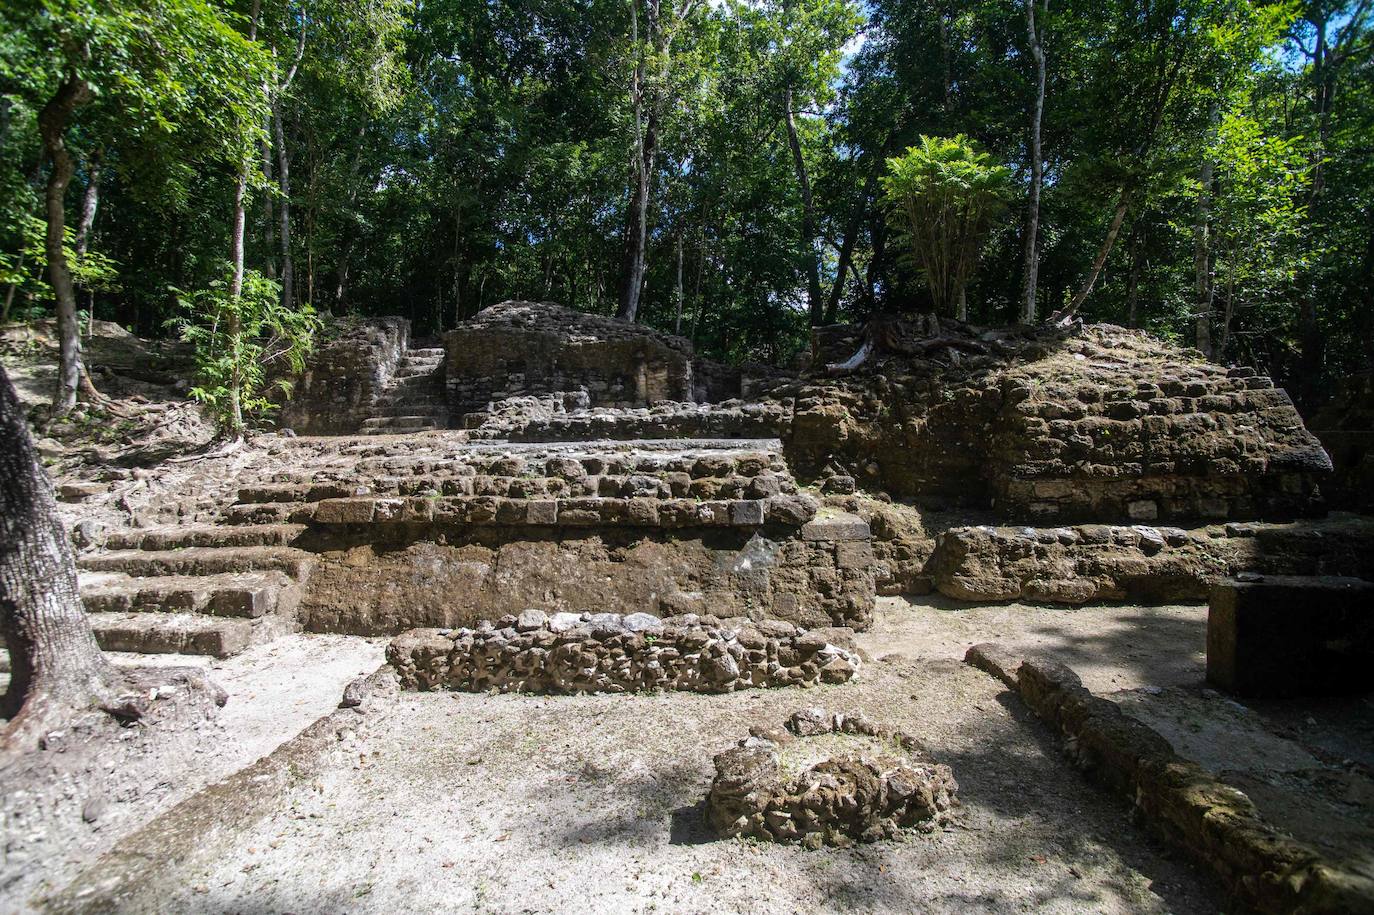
246	346
449	154
944	195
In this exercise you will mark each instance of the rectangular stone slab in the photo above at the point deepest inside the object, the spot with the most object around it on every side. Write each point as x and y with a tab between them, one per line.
1289	635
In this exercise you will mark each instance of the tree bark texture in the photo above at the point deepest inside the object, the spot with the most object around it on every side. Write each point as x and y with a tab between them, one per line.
288	269
634	260
55	662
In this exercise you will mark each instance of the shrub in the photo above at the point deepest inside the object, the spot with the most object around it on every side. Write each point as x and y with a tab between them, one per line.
238	340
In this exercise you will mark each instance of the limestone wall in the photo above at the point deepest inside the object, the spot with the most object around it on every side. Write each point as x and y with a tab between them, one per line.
522	348
343	379
1101	424
380	579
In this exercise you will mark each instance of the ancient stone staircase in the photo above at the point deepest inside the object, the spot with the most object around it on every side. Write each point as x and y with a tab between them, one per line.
200	589
414	400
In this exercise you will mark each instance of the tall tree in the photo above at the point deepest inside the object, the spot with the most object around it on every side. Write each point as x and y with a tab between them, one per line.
1035	36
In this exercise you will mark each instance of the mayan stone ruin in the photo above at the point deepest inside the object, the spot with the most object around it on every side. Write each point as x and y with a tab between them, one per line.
553	533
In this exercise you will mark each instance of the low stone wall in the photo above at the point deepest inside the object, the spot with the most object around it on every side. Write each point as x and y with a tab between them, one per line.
1211	820
343	379
610	653
1098	562
731	419
1259	643
828	779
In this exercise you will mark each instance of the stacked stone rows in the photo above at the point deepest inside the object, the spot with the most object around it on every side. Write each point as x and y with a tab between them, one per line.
892	782
610	653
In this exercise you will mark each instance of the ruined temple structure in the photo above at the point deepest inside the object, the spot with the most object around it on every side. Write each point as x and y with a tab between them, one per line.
551	460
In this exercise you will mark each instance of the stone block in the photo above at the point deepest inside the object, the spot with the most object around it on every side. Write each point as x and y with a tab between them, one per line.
746	513
854	554
345	511
1143	510
837	527
1290	635
542	511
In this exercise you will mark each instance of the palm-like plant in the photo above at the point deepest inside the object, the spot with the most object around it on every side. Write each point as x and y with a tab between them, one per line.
944	194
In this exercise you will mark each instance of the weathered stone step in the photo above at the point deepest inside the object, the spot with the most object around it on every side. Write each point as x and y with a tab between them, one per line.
398	422
202	561
182	633
426	399
425	352
403	429
204	535
297	492
414	371
259	514
240	594
575	512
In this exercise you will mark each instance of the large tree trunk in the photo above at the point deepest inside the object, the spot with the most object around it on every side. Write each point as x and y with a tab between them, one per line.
56	666
52	127
634	262
815	305
1032	263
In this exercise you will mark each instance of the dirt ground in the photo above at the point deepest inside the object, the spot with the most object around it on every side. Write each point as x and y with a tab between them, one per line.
476	803
274	691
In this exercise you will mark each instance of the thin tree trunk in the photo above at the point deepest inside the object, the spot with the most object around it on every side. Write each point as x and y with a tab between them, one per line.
9	293
633	259
288	270
236	253
1133	281
269	215
677	321
846	255
1032	262
89	204
1202	254
1311	343
1123	202
56	666
815	305
52	127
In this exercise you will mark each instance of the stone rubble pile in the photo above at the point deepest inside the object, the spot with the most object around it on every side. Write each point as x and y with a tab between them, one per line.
868	783
611	653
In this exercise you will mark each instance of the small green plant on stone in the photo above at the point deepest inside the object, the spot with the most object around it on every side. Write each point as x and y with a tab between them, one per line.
238	340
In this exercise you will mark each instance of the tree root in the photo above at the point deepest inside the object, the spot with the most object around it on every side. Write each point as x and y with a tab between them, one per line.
148	695
890	335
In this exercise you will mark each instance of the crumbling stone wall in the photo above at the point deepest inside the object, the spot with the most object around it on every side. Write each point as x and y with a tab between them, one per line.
609	653
828	779
1098	424
344	378
522	348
